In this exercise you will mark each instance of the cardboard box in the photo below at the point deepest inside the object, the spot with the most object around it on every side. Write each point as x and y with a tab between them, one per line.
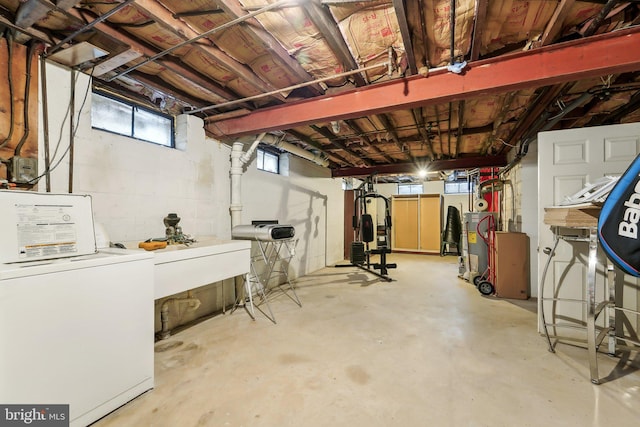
512	265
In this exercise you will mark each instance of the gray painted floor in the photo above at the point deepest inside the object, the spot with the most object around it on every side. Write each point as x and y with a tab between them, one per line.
424	350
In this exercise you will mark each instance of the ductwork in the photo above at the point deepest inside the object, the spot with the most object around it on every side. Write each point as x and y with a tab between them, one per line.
240	158
318	159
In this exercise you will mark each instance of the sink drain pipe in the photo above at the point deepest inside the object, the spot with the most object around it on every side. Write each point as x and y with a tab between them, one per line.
193	302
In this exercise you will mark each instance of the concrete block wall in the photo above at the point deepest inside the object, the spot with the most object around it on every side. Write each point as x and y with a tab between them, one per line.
135	184
523	193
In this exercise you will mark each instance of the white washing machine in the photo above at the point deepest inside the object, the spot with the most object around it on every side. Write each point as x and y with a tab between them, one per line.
77	331
76	324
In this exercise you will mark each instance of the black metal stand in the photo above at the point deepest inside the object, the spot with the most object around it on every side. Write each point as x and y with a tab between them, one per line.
383	266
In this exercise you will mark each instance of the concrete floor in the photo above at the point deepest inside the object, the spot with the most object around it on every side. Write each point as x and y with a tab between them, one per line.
424	350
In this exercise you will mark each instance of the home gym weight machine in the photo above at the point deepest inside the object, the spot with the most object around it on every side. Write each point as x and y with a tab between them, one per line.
366	232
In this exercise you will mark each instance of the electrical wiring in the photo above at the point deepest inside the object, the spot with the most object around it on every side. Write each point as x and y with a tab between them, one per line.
502	141
27	91
66	116
10	80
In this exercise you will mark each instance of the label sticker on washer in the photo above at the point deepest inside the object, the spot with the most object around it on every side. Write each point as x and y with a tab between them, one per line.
46	230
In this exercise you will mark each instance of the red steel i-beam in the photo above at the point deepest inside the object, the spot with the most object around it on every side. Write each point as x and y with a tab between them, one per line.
610	53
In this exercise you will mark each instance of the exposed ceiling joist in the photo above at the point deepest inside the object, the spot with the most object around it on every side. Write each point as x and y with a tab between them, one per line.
433	166
306	140
273	46
419	121
336	142
31	11
165	18
619	113
168	62
555	24
460	133
506	105
358	130
600	55
592	27
90	25
66	4
32	33
322	19
401	15
481	10
394	136
535	113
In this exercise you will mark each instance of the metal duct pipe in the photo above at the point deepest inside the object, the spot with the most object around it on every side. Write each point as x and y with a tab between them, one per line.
541	126
89	26
285	89
238	20
318	159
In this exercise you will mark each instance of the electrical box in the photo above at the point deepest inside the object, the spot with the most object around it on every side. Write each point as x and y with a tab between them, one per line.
22	170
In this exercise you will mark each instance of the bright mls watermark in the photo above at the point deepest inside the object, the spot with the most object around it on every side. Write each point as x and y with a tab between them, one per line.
34	415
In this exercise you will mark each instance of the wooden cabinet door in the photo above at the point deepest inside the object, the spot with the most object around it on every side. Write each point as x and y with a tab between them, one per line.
430	223
405	222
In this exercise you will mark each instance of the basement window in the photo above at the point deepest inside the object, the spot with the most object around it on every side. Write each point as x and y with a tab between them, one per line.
458	187
125	118
268	161
410	189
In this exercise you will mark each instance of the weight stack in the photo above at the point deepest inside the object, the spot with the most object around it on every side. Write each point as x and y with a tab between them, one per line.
356	254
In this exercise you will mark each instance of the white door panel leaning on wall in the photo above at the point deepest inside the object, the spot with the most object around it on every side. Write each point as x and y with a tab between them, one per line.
567	160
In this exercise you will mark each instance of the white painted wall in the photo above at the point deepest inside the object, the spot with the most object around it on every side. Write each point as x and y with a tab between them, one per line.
135	184
520	207
527	209
309	199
